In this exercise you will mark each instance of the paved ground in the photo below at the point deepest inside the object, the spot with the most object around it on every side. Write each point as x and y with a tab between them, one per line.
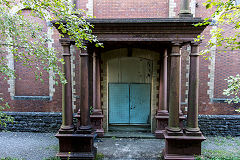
37	146
26	145
129	148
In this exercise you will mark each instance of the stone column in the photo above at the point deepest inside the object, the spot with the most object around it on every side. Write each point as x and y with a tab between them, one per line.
162	107
174	96
67	112
177	144
162	113
97	115
96	85
85	125
192	114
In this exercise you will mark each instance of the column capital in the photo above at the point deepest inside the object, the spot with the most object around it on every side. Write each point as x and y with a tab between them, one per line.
165	53
176	49
195	48
195	43
87	50
84	52
96	52
66	43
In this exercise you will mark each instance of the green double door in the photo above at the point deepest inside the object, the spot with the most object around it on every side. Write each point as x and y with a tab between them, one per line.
129	103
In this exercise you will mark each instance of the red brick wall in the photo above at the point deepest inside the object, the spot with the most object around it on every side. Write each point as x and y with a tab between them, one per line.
225	65
81	4
25	84
131	9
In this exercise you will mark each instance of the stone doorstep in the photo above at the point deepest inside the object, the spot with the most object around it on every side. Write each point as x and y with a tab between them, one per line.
141	135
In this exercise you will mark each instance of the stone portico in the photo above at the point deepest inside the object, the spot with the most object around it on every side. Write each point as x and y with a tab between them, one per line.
163	39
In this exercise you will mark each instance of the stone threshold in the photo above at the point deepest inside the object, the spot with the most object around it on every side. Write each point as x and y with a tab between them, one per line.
142	135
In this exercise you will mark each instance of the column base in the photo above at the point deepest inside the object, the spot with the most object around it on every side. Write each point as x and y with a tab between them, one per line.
96	122
100	132
173	133
162	123
182	147
84	130
97	112
66	129
188	133
76	146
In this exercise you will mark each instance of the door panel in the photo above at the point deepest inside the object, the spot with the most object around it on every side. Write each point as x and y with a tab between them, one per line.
139	103
118	103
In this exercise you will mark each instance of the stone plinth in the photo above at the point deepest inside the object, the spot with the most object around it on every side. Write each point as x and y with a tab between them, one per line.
76	146
182	147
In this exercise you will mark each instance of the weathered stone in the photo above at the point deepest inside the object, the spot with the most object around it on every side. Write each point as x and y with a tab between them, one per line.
50	122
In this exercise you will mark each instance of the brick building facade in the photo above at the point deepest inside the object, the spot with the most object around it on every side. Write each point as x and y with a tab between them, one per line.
26	95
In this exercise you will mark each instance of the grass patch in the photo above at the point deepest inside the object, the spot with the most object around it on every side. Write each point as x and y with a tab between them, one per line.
53	147
220	140
218	155
99	156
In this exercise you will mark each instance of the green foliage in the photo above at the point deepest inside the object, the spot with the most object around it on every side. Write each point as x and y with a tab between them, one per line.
53	147
99	156
4	118
220	148
226	13
233	88
225	19
91	110
26	41
219	155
